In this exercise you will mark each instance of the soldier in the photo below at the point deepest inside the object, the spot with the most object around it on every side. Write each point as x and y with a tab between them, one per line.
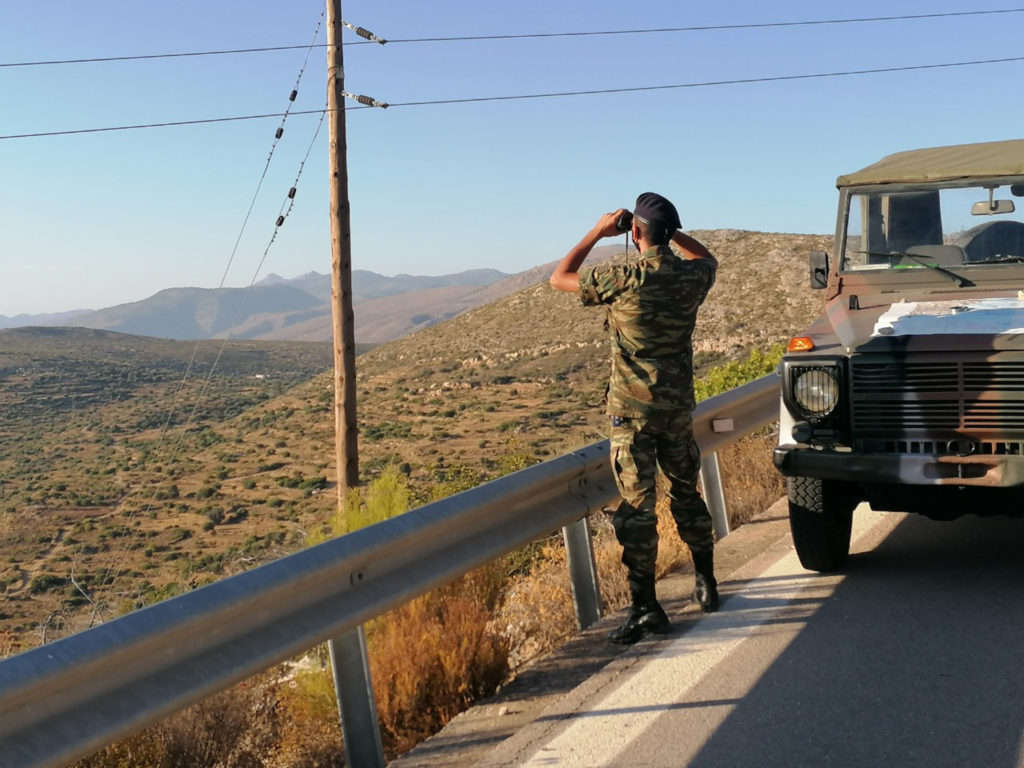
652	299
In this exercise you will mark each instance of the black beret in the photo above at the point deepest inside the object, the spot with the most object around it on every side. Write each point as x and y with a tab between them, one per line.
655	209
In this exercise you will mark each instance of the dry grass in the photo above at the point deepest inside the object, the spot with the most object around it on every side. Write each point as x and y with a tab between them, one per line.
433	657
232	729
749	478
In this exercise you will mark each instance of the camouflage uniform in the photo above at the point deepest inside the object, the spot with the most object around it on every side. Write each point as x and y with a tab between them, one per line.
652	303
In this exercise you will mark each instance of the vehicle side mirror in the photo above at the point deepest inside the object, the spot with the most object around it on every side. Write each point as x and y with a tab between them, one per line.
819	269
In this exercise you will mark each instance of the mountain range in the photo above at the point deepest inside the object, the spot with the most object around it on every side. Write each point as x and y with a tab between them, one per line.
299	309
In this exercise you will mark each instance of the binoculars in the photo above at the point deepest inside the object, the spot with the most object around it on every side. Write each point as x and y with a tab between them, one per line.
625	222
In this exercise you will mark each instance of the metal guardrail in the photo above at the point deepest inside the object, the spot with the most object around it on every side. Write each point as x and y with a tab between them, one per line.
64	700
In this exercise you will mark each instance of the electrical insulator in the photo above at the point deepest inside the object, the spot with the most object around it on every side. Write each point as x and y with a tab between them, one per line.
279	134
291	193
280	221
292	97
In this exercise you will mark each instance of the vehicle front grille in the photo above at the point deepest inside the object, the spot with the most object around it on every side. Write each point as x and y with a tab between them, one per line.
942	447
908	405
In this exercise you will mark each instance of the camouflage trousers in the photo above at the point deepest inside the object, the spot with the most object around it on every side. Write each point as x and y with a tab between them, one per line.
638	448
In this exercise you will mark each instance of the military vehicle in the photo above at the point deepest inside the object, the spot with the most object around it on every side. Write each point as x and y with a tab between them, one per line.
907	392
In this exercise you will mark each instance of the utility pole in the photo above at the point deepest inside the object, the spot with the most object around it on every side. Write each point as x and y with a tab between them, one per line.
352	684
346	434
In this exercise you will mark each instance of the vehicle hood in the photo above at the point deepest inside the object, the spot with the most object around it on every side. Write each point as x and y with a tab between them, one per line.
962	323
982	316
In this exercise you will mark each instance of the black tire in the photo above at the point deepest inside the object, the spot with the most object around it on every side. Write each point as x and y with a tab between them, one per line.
820	519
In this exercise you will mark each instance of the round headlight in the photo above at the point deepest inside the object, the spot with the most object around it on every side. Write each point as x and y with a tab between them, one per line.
816	391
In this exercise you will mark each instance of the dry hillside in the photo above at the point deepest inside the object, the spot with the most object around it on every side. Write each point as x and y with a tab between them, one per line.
103	508
761	296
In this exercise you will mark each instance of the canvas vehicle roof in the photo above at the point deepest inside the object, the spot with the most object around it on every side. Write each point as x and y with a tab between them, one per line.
989	159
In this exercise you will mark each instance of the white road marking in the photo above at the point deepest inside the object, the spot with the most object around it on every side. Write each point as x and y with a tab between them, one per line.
769	611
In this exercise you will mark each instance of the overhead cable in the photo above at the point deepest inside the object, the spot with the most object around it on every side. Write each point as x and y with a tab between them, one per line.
195	351
524	36
704	28
705	84
556	94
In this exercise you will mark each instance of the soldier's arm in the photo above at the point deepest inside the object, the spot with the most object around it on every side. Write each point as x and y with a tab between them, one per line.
566	276
692	248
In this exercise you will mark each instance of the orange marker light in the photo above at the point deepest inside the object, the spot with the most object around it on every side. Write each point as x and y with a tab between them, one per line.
800	344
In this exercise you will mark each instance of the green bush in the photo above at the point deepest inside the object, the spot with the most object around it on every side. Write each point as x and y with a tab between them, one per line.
386	429
46	582
730	375
179	534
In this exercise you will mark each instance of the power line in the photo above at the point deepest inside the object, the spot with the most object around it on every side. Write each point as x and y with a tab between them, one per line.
169	124
525	36
172	411
519	97
706	84
706	28
142	57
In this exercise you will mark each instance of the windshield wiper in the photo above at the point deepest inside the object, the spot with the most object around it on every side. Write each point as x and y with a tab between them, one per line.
961	282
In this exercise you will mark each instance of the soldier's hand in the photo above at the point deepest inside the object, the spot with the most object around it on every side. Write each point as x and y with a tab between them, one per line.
607	225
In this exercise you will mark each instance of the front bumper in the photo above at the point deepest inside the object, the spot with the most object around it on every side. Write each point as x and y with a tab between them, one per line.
986	471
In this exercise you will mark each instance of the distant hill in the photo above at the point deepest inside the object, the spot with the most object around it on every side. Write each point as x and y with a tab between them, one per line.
281	309
198	313
389	308
56	318
761	297
298	309
369	285
394	316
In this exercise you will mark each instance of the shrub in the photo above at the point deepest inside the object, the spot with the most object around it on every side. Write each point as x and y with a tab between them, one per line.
730	375
395	429
207	491
46	582
179	534
318	483
455	659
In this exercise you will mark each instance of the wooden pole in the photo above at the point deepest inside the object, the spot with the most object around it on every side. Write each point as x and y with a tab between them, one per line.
352	683
346	435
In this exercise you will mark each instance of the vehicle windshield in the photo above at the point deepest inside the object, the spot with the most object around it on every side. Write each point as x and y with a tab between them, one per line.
950	228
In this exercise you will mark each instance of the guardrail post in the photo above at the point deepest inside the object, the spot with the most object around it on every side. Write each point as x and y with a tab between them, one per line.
579	550
356	705
711	482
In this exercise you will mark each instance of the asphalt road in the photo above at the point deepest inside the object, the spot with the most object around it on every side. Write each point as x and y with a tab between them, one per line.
914	656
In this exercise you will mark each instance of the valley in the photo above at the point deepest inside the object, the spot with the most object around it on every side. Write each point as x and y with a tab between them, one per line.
133	468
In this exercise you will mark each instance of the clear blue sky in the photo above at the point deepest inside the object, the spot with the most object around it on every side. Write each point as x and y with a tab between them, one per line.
92	220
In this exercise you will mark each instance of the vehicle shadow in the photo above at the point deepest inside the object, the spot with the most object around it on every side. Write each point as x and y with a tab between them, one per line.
915	659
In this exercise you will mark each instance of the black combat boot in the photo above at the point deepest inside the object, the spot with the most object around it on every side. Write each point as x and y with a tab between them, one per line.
646	617
705	591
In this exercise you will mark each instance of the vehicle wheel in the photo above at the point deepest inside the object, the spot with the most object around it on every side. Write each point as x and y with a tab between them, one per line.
820	519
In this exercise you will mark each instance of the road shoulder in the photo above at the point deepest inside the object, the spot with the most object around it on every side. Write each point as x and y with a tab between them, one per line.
541	688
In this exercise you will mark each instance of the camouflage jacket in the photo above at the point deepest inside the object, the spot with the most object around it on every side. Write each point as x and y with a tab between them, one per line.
652	303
